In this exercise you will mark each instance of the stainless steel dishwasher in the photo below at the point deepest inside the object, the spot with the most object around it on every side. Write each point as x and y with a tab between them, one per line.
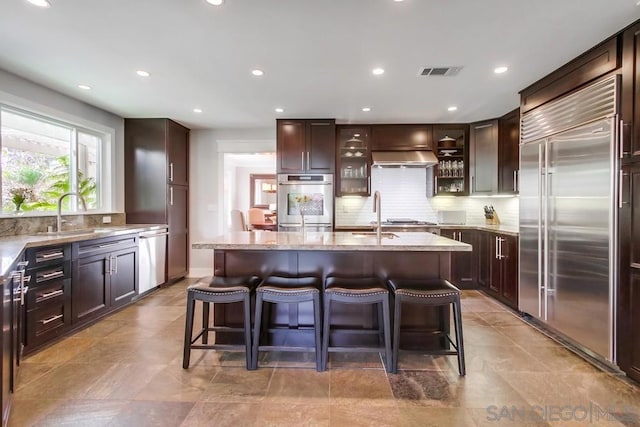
153	257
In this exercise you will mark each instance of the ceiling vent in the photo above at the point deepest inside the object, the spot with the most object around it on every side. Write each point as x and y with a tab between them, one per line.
439	71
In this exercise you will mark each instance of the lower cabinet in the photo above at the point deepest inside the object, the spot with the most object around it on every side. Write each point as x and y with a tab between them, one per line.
48	299
498	272
105	276
464	265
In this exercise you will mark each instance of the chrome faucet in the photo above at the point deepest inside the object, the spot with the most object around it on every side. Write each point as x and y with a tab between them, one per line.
59	217
377	209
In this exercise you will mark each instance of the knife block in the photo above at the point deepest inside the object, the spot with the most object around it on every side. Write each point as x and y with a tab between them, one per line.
493	219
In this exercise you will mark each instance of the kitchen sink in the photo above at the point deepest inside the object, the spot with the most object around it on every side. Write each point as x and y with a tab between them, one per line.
384	235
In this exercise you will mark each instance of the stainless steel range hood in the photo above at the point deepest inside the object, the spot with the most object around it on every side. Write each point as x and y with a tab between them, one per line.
410	159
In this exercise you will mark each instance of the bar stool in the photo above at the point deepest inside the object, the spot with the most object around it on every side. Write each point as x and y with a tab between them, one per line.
357	290
433	293
218	290
288	290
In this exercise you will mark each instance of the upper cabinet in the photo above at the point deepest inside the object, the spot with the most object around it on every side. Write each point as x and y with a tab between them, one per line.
592	64
483	158
353	160
177	153
630	113
305	146
401	137
509	152
451	149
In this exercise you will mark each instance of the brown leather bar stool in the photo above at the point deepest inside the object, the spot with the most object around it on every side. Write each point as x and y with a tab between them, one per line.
218	290
288	290
433	293
357	290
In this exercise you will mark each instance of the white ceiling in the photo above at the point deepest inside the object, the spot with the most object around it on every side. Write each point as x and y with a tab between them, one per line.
317	55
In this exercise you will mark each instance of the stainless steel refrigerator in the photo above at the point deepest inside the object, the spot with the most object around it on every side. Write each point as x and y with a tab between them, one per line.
568	216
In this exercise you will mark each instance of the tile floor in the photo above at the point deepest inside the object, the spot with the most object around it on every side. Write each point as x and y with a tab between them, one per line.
126	371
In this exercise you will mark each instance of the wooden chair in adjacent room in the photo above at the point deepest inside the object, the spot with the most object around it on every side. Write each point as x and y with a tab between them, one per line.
237	221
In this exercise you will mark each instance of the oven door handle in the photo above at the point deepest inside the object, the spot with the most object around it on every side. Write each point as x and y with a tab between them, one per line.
304	183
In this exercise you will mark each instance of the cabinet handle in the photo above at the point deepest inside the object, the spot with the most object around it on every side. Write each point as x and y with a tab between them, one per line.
171	172
621	139
22	292
496	251
302	160
46	276
308	162
26	279
108	245
51	255
51	319
114	265
171	196
515	181
23	264
50	294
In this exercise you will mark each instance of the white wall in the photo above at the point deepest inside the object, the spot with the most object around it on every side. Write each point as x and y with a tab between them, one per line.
206	183
21	93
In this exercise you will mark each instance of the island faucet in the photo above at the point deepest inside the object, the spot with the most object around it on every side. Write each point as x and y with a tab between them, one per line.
59	217
377	200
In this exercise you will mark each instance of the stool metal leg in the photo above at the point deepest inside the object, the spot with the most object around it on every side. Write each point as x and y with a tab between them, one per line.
188	331
387	335
316	328
397	312
247	330
457	319
256	331
326	331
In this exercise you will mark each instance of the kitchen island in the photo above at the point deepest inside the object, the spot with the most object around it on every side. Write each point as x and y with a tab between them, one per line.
398	255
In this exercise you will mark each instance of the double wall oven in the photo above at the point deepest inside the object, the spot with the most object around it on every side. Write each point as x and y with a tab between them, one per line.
310	195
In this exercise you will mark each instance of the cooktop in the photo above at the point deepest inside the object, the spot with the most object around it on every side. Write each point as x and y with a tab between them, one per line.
406	221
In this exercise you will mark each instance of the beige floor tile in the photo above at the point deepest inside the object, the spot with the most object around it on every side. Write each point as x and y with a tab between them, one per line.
222	414
505	416
123	381
302	386
363	387
238	385
63	351
527	336
83	413
68	381
176	384
152	414
30	372
293	414
26	413
434	417
363	415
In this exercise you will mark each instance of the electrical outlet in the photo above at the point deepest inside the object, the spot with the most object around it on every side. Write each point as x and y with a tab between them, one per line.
106	220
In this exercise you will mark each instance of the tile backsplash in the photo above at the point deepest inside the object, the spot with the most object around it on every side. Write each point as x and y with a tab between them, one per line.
404	195
12	226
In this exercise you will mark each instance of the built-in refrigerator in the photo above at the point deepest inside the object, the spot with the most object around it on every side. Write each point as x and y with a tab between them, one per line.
568	217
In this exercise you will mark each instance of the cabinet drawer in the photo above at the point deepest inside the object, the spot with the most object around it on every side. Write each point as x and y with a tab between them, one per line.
47	274
100	246
46	323
47	255
54	292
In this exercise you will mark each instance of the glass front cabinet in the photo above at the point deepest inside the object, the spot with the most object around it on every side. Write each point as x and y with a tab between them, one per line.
353	161
453	169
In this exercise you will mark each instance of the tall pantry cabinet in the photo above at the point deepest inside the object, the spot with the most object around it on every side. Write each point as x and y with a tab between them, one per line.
157	183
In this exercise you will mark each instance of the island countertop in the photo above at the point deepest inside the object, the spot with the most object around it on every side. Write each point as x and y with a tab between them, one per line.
336	241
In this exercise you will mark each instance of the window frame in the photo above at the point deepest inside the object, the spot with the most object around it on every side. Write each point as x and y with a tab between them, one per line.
104	191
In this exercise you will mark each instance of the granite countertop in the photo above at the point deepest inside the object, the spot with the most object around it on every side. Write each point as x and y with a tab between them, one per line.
337	241
511	230
12	246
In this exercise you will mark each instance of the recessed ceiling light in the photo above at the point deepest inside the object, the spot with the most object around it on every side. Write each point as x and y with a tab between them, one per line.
452	108
84	87
378	71
500	70
257	72
143	73
279	110
366	109
215	2
197	110
40	3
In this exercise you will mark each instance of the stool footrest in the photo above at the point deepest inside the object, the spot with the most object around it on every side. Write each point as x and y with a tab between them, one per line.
217	347
286	348
352	349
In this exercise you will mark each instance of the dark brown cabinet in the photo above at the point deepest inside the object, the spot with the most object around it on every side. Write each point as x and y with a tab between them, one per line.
453	166
105	275
628	328
508	152
630	94
48	300
502	255
305	146
400	137
353	160
156	182
463	264
483	157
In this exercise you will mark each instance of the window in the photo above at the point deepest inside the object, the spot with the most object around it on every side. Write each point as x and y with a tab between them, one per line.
43	158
